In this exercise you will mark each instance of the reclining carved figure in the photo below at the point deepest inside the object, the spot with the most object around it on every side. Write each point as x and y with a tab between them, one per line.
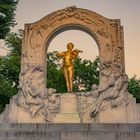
115	90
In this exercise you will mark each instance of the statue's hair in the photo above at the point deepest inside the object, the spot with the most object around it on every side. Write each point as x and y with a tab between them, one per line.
70	45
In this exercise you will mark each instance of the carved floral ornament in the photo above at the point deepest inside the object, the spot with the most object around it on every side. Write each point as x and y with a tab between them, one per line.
70	11
85	16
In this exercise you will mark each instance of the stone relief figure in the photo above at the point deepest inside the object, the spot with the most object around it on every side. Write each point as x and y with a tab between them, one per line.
121	94
68	68
51	104
30	96
54	100
105	67
94	90
36	47
32	99
115	90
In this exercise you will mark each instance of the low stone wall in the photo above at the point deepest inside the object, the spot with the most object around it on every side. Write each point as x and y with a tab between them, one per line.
94	131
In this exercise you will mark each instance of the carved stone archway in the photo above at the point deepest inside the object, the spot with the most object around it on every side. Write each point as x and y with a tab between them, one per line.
107	33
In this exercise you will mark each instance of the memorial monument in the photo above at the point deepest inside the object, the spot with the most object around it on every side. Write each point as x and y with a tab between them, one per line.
109	102
34	103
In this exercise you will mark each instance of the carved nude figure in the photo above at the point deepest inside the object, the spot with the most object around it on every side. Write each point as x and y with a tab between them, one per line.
117	84
68	68
51	102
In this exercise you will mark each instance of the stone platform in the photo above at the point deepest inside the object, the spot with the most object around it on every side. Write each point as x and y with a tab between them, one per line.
94	131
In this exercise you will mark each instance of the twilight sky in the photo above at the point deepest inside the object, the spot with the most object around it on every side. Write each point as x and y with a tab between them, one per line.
128	11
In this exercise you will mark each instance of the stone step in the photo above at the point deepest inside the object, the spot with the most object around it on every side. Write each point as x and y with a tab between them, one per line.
69	131
71	126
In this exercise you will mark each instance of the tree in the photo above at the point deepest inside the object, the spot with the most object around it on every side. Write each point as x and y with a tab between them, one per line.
134	87
9	69
10	64
6	91
86	73
7	16
55	78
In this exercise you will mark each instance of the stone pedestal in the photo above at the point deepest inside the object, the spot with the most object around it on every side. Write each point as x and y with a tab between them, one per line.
68	109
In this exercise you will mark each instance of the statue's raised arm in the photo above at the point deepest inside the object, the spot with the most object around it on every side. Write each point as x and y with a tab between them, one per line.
60	54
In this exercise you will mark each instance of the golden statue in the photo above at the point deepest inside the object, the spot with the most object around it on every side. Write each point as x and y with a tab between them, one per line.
68	68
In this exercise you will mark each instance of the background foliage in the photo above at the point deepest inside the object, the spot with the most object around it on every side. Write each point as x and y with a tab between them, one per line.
134	87
7	16
9	69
